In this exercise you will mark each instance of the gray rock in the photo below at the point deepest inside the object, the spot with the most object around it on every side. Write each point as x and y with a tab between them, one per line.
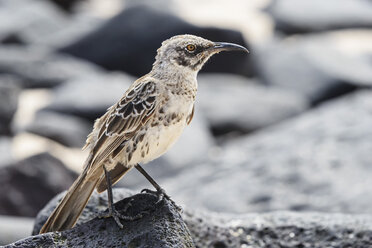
38	67
6	156
161	227
68	130
89	97
9	93
97	203
279	229
26	186
14	228
50	27
319	161
314	65
293	16
276	229
134	52
18	16
234	103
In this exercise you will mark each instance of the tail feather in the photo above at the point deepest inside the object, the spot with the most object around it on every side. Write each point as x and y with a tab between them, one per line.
115	174
69	209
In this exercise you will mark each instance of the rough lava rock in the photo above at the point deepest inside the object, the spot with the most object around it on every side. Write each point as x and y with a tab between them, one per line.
279	229
27	185
128	42
66	129
162	226
208	230
234	103
319	161
298	16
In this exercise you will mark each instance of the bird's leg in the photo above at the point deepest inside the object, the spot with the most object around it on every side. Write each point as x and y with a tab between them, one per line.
160	192
112	212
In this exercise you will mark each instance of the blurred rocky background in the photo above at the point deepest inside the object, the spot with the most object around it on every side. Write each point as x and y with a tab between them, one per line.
286	128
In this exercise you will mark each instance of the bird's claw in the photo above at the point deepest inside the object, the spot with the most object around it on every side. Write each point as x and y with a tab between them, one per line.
112	212
160	197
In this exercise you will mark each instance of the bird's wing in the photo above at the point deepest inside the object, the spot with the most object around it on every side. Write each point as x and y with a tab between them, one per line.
124	119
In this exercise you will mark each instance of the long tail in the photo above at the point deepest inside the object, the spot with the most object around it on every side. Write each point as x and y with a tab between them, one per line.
69	209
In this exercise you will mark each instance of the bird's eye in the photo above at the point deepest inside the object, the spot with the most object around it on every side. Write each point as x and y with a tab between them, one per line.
190	47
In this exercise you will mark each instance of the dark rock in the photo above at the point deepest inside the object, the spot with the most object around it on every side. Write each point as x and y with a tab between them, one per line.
318	161
293	16
37	67
279	229
314	65
276	229
97	203
66	5
161	227
66	129
13	39
129	41
236	104
29	184
9	93
89	97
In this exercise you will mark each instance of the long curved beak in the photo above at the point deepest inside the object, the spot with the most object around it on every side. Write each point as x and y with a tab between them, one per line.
224	46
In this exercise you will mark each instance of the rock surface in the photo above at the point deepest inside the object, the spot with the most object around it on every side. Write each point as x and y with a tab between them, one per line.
41	23
66	129
211	230
128	42
319	66
27	185
14	228
234	103
18	17
89	97
293	16
38	67
319	161
9	94
6	156
162	227
279	229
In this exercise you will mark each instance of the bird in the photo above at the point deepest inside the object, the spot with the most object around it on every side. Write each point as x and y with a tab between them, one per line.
140	127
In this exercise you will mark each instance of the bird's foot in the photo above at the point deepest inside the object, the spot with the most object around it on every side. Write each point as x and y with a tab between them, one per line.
117	216
160	194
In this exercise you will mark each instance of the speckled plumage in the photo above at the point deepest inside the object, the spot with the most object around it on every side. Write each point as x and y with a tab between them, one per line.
142	125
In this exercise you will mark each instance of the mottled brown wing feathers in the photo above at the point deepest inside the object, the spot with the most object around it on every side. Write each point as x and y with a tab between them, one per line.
125	118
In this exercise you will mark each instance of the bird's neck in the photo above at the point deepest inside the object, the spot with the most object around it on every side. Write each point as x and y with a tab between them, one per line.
173	74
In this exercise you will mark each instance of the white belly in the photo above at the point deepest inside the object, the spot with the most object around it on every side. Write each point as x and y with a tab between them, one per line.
161	140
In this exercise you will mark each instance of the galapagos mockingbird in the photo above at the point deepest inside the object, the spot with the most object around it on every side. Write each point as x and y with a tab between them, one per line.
141	126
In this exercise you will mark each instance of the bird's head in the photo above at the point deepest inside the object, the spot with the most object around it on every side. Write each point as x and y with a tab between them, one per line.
189	52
